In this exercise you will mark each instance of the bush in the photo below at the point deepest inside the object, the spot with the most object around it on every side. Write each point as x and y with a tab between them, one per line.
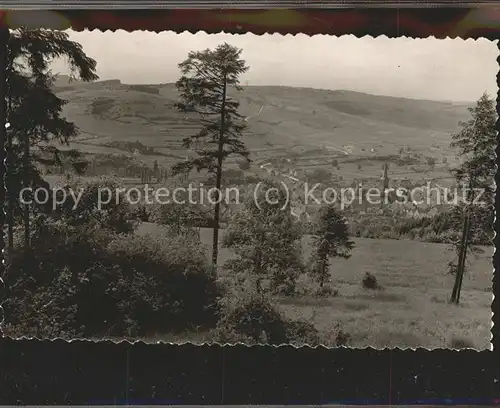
338	337
251	318
343	338
244	165
168	284
48	279
309	287
327	291
112	212
140	213
300	332
177	215
461	343
83	281
389	235
440	228
370	282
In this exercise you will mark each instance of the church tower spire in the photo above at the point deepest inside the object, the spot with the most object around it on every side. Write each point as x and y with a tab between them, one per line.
385	184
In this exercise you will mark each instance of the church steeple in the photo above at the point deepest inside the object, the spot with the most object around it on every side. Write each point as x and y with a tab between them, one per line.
385	177
385	184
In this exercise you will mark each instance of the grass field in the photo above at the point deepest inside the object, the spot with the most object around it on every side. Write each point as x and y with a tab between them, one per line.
412	310
315	126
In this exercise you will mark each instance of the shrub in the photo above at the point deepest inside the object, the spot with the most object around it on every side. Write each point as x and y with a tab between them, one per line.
47	280
309	287
177	215
370	282
389	235
432	237
87	281
327	291
251	318
244	165
461	343
341	337
140	213
265	238
111	212
300	332
168	284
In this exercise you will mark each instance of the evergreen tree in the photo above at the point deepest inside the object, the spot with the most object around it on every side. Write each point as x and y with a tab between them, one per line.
476	143
34	111
207	76
330	239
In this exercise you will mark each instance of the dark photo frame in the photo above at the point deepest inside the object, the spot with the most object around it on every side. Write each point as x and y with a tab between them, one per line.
86	372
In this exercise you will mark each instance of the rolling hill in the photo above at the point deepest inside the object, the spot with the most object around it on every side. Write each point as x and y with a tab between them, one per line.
280	120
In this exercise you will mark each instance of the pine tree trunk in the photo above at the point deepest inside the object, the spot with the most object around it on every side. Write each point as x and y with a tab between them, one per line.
10	199
8	138
464	247
322	275
462	268
215	247
26	215
258	270
461	263
258	285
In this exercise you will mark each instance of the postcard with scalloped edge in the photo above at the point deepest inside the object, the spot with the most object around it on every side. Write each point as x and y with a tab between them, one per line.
218	188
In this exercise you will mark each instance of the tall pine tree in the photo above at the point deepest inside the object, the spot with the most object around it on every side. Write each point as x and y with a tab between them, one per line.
476	143
34	111
207	77
330	240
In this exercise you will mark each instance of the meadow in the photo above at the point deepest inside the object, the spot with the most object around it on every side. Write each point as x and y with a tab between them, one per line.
310	129
411	309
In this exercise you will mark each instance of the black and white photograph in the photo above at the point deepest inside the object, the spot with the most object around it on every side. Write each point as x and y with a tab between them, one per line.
256	189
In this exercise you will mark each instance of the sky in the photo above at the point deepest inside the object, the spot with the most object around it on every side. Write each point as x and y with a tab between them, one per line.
450	69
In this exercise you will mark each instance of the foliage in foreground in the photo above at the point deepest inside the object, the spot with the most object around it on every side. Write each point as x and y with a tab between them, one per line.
29	94
266	240
251	318
85	281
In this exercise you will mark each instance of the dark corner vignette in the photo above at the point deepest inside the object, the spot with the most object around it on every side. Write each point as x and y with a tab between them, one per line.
108	373
495	330
3	130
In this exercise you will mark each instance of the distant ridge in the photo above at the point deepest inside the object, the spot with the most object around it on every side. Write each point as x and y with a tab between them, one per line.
279	118
63	80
